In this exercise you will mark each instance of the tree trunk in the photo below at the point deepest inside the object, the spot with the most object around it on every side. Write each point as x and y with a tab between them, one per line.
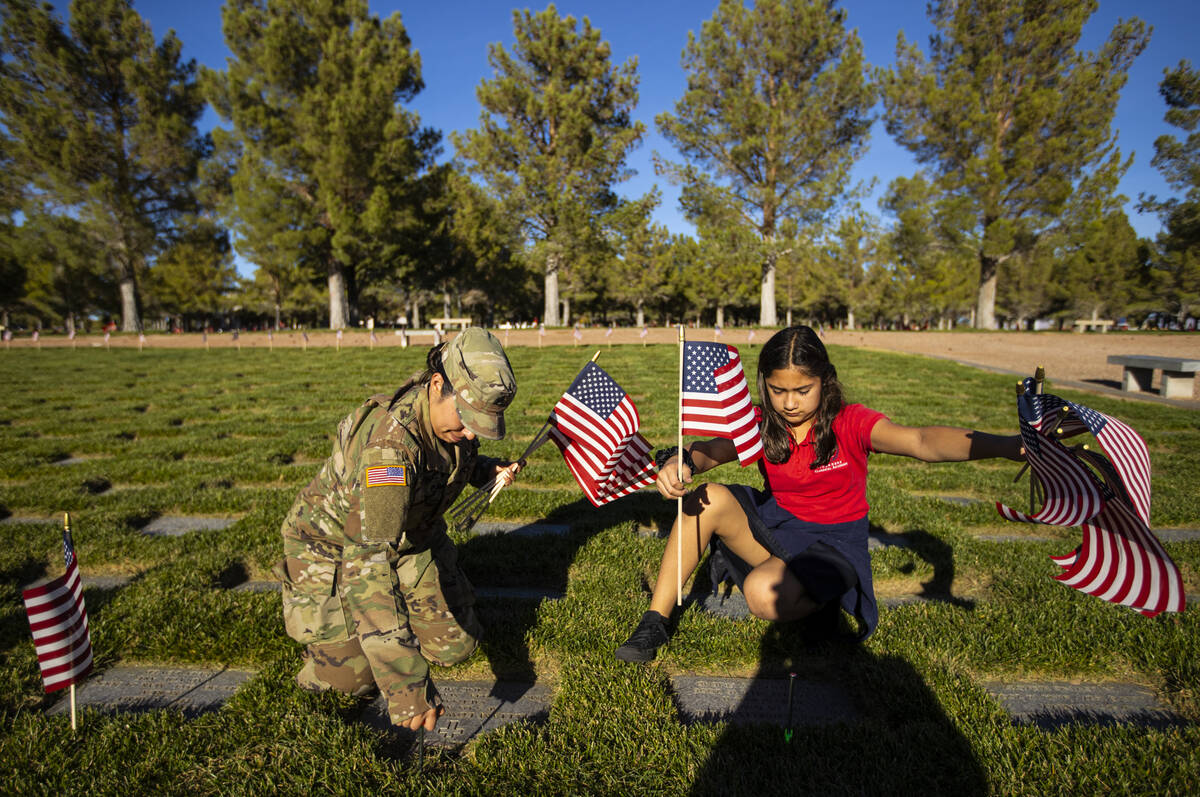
849	318
641	312
129	310
278	313
985	307
339	303
550	310
445	303
566	312
70	323
720	316
767	316
789	317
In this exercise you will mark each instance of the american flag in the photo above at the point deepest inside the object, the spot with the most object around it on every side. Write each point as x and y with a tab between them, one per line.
595	425
1119	560
716	398
59	623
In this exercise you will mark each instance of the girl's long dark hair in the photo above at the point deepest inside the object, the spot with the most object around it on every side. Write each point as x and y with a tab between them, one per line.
799	347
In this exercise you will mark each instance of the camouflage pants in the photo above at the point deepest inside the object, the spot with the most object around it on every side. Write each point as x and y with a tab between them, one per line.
433	621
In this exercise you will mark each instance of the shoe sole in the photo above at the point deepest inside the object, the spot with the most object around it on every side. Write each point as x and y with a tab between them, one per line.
635	656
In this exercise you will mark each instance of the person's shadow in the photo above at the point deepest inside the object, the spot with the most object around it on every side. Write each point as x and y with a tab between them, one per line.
528	565
860	724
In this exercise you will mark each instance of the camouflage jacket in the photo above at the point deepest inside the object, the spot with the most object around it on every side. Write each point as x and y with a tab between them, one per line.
378	498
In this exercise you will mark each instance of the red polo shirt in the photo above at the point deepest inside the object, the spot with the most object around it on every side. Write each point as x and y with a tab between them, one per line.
837	491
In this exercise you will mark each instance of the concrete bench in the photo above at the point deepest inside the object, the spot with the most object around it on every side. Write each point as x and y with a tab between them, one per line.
438	323
1177	380
406	335
1082	324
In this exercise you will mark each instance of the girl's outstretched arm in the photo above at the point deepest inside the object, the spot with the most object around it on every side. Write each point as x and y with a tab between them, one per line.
943	443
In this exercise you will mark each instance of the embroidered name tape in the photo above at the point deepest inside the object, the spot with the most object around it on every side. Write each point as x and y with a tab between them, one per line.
390	474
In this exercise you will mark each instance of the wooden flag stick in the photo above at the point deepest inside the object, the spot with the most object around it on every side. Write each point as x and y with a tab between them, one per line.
679	476
67	534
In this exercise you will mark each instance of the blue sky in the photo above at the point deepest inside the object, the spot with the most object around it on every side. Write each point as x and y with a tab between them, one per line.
452	37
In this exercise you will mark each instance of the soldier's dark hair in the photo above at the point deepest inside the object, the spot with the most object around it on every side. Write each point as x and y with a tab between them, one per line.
799	347
433	365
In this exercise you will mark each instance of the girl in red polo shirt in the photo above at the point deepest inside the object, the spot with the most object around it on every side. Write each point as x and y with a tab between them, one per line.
800	545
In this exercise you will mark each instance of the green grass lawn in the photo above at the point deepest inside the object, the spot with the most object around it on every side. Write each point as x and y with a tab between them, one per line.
238	433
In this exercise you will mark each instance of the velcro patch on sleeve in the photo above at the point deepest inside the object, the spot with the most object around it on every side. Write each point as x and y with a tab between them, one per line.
392	475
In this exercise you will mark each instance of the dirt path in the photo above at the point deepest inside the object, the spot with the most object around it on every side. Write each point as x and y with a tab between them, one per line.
1067	356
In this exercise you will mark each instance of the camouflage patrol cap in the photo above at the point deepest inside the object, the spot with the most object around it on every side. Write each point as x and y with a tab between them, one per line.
483	381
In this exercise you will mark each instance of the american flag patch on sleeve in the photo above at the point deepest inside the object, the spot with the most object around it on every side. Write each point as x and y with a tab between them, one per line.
387	474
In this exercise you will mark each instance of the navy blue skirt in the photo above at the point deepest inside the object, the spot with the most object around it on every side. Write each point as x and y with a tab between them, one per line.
831	560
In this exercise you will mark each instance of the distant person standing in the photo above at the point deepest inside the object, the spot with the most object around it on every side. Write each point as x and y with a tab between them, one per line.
371	583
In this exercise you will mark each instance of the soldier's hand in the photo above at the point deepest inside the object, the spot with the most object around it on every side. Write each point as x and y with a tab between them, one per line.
508	473
668	483
428	720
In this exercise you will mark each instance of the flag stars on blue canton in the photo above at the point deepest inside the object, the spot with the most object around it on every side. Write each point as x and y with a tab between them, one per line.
597	391
1094	420
702	360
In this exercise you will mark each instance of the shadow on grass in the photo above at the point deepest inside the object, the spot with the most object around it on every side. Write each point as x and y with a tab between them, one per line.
940	555
899	740
540	562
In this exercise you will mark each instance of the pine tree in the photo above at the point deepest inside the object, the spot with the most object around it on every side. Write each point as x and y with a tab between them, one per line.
554	131
194	278
776	113
930	248
103	125
326	163
1179	161
1009	114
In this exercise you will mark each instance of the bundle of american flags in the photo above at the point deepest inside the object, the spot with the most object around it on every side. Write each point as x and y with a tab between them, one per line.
59	623
595	425
716	398
1119	560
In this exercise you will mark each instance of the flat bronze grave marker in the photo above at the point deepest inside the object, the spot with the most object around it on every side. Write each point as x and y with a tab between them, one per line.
136	689
257	586
489	527
879	540
482	593
1177	535
961	500
472	709
734	607
178	525
105	582
1054	704
1014	538
70	461
17	520
761	701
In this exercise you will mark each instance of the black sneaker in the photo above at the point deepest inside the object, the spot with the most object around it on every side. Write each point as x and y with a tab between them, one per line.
649	636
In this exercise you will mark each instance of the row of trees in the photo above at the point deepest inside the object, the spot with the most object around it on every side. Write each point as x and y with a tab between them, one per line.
323	179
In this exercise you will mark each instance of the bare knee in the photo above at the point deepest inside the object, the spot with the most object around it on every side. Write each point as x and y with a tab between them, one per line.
709	499
773	593
762	595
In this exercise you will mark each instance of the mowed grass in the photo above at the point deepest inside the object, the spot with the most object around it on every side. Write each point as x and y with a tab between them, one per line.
236	434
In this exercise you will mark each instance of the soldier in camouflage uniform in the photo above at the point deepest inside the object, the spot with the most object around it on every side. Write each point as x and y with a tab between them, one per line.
371	583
